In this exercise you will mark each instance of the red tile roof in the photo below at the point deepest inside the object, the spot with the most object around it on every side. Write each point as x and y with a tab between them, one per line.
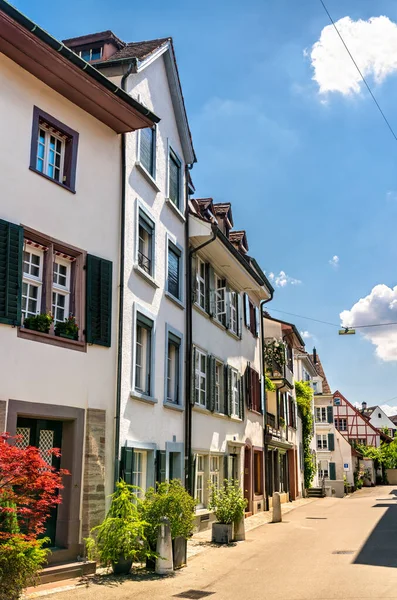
139	50
91	38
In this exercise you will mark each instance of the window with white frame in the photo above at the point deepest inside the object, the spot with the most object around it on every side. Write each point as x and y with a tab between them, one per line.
315	387
321	414
341	424
174	280
143	354
145	248
32	281
139	472
89	54
234	316
201	378
200	283
174	179
173	368
220	299
50	152
235	393
200	479
147	149
322	441
61	289
219	388
323	469
214	471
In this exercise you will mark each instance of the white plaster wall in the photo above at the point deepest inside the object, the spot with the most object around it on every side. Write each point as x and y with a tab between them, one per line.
343	455
142	422
89	219
382	421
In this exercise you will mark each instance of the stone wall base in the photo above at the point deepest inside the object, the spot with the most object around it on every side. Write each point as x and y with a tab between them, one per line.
94	470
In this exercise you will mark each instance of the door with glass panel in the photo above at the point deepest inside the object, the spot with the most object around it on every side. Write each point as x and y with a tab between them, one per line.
45	434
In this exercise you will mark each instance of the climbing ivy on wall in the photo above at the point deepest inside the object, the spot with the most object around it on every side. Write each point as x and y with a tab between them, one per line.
304	399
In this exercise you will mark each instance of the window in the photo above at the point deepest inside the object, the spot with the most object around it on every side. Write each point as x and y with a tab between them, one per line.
32	281
145	243
174	182
234	316
220	299
214	471
147	150
253	389
53	149
143	354
291	412
89	54
321	414
219	388
235	393
322	442
315	387
61	290
258	473
201	378
200	479
174	279
341	424
173	368
361	441
200	284
323	469
139	472
379	416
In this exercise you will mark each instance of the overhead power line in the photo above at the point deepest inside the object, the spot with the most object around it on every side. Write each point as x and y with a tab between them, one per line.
333	324
359	70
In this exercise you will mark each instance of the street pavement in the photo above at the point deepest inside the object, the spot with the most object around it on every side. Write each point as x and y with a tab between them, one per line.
327	549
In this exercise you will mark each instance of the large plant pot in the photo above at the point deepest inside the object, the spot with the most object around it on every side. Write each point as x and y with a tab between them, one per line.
179	552
239	530
122	566
222	533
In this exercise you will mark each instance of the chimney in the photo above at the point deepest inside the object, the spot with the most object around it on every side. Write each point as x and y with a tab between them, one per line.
314	356
363	406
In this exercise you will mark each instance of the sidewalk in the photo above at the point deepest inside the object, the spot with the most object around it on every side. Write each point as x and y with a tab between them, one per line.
198	544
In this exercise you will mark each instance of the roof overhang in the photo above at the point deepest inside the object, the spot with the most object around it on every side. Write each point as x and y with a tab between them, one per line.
61	69
226	259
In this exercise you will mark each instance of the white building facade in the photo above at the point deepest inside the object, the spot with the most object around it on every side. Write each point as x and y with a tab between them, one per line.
59	256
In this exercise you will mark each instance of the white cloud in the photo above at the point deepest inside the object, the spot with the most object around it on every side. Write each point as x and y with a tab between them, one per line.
306	335
334	262
380	306
373	44
391	196
389	410
282	279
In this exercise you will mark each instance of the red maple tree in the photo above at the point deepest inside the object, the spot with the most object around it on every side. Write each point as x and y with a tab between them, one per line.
29	487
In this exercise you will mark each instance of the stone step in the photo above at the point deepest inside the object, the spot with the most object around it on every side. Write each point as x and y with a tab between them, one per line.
70	570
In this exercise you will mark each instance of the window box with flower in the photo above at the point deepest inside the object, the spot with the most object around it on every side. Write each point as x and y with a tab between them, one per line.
67	329
41	322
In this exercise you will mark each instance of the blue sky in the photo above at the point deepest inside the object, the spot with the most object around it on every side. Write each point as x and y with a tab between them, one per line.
310	175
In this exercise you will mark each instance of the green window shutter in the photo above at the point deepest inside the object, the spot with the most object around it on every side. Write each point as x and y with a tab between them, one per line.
11	254
330	414
207	288
193	475
247	311
248	386
256	321
193	382
193	277
241	397
228	301
331	442
161	459
332	471
226	467
127	464
211	376
209	383
210	291
228	390
240	316
99	301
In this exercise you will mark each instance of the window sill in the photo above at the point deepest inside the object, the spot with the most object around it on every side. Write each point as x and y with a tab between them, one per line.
175	300
256	412
147	176
173	406
235	418
146	276
201	310
175	209
143	397
52	340
62	185
203	409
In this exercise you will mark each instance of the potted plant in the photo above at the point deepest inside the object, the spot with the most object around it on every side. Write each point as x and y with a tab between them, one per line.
121	538
67	329
229	505
170	500
41	322
282	422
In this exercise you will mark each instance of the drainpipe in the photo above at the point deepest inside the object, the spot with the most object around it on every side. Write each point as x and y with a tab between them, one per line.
189	353
263	302
123	86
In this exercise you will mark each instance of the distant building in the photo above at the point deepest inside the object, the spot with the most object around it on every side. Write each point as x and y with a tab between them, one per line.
379	419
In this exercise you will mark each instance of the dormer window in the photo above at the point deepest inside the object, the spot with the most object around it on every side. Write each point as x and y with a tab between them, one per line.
90	54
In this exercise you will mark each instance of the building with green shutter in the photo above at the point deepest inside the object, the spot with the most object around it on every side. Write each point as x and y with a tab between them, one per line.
225	434
151	396
59	264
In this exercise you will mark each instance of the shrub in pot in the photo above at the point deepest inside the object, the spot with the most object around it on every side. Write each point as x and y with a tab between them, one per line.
170	500
40	323
67	329
21	561
228	504
120	539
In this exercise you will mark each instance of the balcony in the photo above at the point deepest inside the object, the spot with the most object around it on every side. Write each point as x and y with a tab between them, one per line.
274	432
281	373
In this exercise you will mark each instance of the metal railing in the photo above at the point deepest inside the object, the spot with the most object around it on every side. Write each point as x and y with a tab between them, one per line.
144	262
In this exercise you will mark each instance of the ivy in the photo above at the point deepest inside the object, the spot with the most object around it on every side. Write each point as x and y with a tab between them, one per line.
304	399
269	385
